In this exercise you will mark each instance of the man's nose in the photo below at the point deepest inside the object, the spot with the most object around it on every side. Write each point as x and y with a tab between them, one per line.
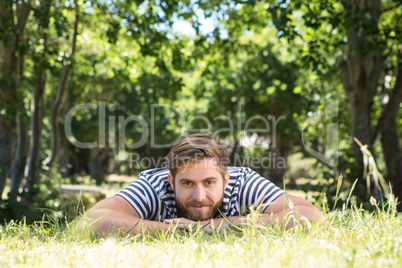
199	194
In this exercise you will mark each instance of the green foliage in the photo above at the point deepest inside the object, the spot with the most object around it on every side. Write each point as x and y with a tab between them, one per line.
263	59
51	203
43	204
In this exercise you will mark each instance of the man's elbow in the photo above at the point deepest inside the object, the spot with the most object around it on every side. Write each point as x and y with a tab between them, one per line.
94	223
313	215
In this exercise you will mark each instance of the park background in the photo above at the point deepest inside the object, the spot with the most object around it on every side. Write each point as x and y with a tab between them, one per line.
326	71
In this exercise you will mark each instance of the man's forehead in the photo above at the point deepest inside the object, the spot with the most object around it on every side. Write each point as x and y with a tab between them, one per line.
201	164
201	167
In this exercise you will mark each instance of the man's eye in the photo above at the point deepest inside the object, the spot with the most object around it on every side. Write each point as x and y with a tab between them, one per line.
209	182
187	183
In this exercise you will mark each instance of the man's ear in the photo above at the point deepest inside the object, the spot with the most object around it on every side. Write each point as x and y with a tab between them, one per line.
227	177
170	178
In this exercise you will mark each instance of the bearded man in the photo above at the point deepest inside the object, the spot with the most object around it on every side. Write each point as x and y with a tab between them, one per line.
198	188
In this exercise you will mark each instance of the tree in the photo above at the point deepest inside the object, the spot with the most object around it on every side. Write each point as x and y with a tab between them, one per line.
43	16
367	36
61	93
13	19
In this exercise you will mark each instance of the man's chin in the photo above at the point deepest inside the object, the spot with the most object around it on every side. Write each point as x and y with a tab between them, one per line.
200	219
200	216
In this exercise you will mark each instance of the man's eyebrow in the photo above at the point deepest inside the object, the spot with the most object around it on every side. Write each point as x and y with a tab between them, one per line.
210	178
206	179
184	179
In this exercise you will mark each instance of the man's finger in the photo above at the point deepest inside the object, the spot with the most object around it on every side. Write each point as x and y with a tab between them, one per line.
174	221
180	220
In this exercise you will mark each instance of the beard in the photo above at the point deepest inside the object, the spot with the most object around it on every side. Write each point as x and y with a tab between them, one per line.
212	212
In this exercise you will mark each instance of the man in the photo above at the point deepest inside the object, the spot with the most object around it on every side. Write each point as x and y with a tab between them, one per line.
198	187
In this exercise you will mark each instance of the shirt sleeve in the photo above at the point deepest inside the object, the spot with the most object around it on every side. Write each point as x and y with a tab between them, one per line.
257	191
142	196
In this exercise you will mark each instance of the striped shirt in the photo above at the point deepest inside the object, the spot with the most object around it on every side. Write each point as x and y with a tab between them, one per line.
152	196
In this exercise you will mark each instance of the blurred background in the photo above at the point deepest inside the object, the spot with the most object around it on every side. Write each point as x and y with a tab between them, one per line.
93	92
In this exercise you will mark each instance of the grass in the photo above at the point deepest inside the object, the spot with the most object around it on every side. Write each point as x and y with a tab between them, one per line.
351	238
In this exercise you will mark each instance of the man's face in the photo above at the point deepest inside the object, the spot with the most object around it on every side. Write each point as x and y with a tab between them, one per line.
199	189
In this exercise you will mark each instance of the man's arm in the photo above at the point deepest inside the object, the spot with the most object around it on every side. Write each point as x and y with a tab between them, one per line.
286	210
116	212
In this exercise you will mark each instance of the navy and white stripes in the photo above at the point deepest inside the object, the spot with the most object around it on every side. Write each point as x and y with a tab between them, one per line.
153	198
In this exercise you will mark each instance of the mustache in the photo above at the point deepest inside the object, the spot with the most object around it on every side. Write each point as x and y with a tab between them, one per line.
199	204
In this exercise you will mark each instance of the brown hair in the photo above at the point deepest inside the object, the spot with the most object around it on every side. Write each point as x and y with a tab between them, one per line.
197	147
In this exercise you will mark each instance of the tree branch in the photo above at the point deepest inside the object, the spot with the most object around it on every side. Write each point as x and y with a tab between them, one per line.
60	96
22	16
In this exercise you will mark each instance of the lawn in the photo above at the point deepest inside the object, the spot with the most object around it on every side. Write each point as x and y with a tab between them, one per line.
351	238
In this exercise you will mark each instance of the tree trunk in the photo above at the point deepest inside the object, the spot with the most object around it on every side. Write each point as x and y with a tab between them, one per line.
33	164
67	158
234	152
362	68
21	154
392	155
389	136
276	172
6	146
360	109
60	96
11	33
98	164
17	170
7	92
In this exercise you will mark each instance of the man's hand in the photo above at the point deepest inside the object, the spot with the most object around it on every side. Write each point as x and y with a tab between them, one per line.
209	225
182	223
287	210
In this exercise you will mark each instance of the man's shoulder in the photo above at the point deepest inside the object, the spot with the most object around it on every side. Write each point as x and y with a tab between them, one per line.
157	178
237	170
243	174
156	172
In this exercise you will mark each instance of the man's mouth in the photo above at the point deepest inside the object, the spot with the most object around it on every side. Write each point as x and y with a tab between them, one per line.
199	207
